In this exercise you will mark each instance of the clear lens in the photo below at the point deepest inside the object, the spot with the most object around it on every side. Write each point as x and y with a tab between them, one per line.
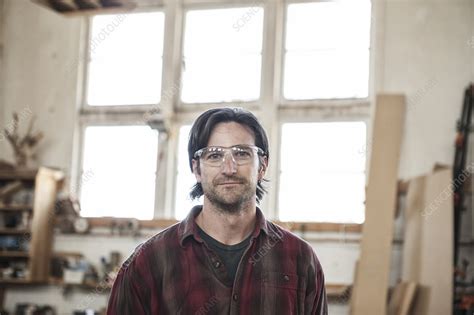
215	156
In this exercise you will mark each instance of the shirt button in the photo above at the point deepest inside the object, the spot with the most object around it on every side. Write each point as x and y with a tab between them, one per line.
235	297
217	264
286	278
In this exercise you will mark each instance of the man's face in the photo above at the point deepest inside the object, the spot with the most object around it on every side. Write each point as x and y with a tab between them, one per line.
230	186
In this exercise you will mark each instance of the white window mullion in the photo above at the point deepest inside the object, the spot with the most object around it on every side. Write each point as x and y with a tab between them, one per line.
169	103
270	87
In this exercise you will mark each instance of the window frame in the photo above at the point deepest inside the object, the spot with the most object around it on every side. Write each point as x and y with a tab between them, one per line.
272	108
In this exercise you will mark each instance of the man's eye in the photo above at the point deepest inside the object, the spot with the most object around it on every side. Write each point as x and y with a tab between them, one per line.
214	156
243	154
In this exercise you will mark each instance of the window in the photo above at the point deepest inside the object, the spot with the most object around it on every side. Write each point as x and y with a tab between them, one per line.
222	56
119	151
327	50
125	59
121	163
140	67
327	161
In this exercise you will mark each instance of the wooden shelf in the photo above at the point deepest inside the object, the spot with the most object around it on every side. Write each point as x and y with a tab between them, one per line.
26	174
292	226
84	286
67	254
15	281
14	254
339	293
6	231
15	208
45	184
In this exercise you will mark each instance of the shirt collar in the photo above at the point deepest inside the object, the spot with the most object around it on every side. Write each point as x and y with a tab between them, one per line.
188	226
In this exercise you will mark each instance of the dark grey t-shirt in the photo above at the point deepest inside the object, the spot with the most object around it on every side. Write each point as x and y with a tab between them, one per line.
230	254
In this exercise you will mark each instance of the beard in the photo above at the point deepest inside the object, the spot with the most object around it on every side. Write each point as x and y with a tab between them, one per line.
229	199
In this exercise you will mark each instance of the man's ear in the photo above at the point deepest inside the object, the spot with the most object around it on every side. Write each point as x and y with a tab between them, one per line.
196	170
263	167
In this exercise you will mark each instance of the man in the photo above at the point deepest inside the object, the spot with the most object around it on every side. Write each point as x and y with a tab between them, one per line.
224	258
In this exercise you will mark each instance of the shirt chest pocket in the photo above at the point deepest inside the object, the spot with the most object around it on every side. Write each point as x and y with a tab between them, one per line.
282	293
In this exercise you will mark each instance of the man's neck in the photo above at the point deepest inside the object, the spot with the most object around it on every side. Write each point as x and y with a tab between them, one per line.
227	228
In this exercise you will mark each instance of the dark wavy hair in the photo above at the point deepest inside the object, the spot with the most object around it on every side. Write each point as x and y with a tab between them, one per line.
203	127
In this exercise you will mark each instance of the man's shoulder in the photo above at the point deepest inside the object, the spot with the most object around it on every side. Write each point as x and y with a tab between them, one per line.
169	237
289	238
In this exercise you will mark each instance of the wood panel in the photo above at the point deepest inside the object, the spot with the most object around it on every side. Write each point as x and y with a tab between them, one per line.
412	229
436	251
46	187
402	298
292	226
372	274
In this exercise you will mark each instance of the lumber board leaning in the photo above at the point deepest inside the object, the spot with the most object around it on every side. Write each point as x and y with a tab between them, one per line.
408	298
47	184
402	298
436	251
412	229
372	274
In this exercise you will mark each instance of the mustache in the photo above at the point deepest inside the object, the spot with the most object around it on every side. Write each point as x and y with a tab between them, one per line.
229	179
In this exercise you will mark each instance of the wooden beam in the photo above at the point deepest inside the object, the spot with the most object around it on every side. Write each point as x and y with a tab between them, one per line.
292	226
412	229
402	298
47	185
435	272
372	274
27	175
73	8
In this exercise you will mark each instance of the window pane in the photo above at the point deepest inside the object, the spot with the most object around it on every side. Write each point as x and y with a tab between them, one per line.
327	50
126	59
121	163
329	170
185	178
222	55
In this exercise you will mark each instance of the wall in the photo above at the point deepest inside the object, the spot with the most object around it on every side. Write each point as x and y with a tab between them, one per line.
428	57
425	49
40	51
1	64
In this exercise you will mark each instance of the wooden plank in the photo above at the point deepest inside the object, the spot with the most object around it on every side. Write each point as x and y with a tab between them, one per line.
15	207
408	298
10	189
14	254
338	292
402	298
46	187
13	281
436	252
352	300
64	254
292	226
87	7
18	174
370	296
412	229
6	231
125	9
395	299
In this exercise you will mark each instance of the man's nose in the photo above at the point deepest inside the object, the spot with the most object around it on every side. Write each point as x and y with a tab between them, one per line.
229	166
